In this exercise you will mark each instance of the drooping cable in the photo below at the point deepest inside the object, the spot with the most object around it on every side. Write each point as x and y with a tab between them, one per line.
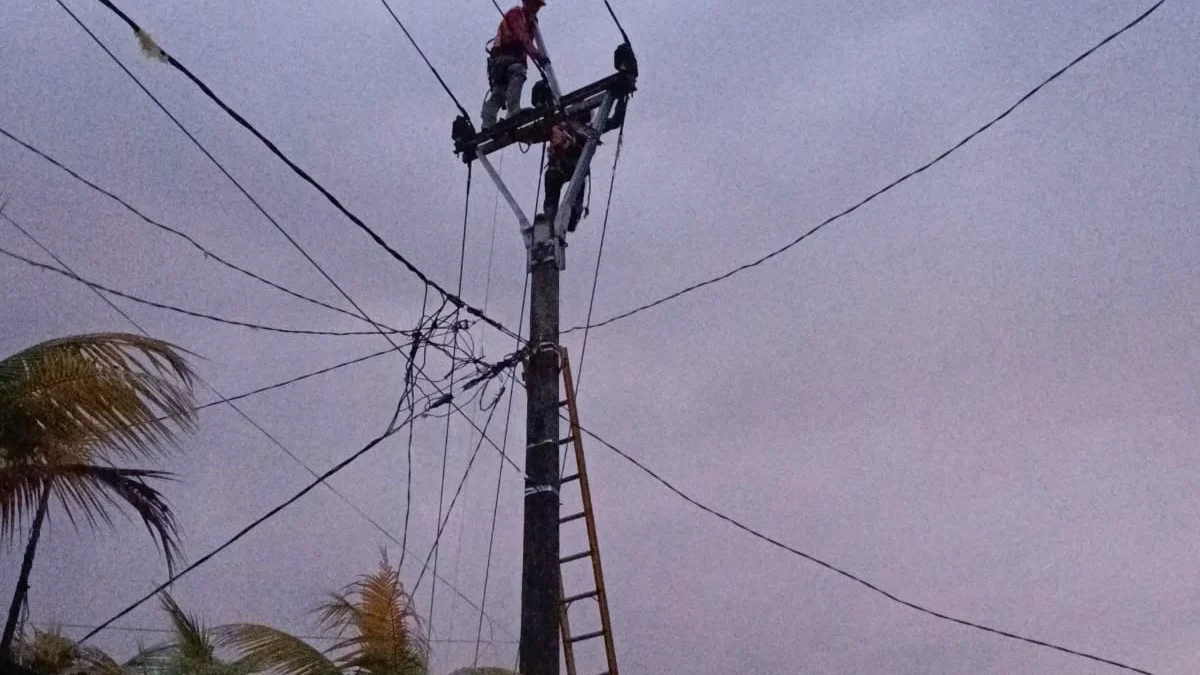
849	575
166	57
487	570
462	261
426	59
221	167
229	401
208	253
887	188
599	256
442	522
181	310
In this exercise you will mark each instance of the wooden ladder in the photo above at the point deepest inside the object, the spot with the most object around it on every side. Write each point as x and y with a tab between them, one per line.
597	593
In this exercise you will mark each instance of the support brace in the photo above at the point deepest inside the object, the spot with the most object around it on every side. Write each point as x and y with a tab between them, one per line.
522	221
567	203
549	67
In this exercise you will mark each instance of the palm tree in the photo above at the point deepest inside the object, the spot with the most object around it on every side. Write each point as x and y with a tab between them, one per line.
191	650
49	652
69	409
372	619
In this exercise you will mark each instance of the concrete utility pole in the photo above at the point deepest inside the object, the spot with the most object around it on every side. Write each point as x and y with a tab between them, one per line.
545	243
539	573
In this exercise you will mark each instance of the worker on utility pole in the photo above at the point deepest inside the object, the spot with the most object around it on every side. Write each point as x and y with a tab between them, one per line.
565	138
506	65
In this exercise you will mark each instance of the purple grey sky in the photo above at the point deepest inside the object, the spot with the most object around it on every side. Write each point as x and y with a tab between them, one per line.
979	392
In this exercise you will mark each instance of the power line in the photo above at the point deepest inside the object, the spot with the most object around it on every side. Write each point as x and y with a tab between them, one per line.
849	575
450	510
254	524
487	572
457	301
741	268
208	154
256	425
425	59
326	638
179	310
624	35
612	180
462	262
208	253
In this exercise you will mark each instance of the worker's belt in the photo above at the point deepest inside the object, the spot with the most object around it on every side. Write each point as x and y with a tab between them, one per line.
499	63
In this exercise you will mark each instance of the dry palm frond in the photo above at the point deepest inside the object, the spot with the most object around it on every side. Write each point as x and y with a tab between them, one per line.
265	649
381	632
52	653
92	491
112	394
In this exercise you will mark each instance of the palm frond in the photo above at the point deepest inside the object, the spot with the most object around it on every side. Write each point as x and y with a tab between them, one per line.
386	635
267	649
191	640
92	491
49	652
113	394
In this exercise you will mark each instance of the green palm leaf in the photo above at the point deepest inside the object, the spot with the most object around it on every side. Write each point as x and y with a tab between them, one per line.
114	394
92	491
269	650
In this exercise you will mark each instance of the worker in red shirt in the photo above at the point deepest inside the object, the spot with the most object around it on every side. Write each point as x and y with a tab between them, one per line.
506	60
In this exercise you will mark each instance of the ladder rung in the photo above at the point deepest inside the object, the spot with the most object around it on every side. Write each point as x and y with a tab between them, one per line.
567	440
574	516
568	479
577	556
586	636
581	596
563	404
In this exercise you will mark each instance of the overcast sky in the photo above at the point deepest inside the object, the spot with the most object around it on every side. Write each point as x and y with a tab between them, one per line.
979	392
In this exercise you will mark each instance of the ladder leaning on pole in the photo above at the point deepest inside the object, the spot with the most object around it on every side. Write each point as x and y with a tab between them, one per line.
592	552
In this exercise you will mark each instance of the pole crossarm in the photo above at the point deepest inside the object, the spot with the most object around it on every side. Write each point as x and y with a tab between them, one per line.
524	125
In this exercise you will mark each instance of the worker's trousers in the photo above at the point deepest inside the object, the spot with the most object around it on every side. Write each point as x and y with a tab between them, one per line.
558	176
507	78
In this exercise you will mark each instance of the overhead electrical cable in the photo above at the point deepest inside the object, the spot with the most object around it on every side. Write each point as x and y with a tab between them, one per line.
838	570
612	180
487	570
442	522
251	421
970	137
149	46
462	263
166	57
424	58
302	636
180	310
208	253
412	417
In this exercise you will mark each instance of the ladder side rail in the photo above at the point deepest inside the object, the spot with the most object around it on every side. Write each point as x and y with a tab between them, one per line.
589	517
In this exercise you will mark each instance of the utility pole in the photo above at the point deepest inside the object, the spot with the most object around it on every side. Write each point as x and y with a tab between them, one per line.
539	647
545	243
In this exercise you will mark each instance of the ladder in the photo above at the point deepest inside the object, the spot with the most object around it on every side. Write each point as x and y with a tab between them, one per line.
597	593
